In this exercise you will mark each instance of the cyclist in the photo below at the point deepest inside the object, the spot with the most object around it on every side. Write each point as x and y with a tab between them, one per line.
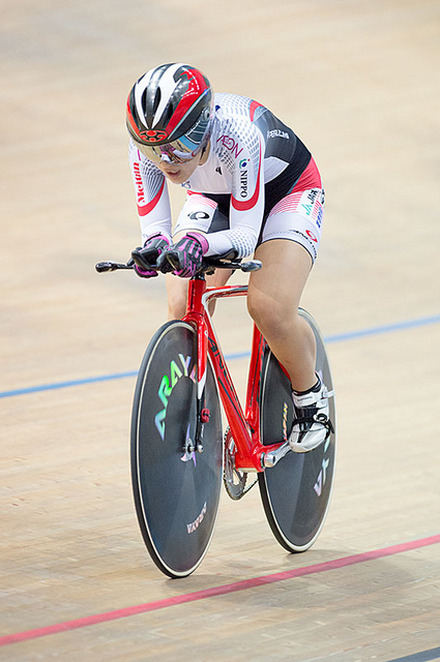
252	187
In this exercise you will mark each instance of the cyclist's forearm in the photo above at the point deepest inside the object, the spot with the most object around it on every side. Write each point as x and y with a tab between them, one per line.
151	195
242	241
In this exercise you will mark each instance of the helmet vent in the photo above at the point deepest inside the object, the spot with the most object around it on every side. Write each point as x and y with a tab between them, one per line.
167	115
156	100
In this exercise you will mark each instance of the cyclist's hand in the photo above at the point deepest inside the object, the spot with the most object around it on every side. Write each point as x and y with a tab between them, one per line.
186	257
145	259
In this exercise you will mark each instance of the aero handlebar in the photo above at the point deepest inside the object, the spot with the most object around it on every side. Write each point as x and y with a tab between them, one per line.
209	265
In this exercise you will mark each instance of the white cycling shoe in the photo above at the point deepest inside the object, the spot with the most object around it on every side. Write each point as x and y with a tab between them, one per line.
311	426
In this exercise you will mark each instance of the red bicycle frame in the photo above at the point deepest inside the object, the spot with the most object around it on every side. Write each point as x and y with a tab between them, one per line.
245	427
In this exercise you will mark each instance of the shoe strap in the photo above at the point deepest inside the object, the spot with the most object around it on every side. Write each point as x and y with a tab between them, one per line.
310	399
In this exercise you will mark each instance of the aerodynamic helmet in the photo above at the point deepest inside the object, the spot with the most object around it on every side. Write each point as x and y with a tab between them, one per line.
169	110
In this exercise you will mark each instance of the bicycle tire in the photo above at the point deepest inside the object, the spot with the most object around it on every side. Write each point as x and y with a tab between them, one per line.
176	493
296	492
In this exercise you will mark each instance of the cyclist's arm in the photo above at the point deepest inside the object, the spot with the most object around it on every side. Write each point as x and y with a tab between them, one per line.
247	199
151	195
246	202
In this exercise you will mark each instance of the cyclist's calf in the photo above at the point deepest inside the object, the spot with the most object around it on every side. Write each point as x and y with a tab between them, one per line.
288	336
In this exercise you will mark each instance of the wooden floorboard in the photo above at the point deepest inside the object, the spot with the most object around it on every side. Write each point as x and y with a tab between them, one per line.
359	83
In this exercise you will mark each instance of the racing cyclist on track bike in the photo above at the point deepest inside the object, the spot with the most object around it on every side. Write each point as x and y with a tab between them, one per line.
252	187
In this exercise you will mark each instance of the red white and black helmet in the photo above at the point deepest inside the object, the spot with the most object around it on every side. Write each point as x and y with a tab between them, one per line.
169	109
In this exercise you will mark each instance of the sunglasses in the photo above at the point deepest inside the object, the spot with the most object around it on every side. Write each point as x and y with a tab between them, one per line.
174	152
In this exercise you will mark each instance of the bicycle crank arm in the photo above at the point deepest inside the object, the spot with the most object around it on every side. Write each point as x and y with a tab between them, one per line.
270	459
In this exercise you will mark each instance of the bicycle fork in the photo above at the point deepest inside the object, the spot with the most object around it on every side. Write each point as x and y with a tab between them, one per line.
195	317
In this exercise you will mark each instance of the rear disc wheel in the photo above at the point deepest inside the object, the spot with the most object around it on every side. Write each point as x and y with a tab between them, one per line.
295	492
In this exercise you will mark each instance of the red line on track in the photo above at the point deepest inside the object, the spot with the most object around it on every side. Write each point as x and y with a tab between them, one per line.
218	590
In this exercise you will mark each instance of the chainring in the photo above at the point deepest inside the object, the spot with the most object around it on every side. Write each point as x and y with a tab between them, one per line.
233	479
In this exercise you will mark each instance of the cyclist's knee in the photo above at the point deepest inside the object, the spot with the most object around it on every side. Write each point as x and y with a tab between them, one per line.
270	315
176	310
177	297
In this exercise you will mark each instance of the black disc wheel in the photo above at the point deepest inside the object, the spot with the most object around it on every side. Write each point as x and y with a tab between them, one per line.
176	488
296	491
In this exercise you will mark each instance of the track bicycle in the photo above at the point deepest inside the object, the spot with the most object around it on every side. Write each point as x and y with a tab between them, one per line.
179	455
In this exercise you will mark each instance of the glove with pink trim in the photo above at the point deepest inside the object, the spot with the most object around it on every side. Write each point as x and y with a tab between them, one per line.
186	257
146	258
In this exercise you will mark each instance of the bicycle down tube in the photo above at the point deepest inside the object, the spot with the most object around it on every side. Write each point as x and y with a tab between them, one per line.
245	428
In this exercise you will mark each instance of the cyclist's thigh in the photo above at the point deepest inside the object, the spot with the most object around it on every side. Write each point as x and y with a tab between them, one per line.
297	218
278	286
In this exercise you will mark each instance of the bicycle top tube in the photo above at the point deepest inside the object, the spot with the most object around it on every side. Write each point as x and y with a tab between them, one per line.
223	291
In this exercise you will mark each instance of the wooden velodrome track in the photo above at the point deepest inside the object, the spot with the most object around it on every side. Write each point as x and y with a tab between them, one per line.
359	83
